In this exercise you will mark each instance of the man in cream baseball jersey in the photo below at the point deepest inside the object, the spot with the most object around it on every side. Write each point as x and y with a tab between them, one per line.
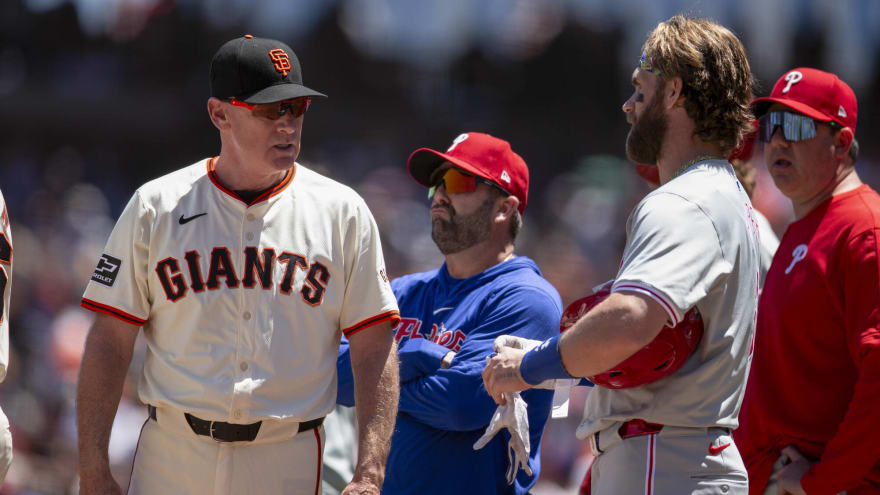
244	270
691	243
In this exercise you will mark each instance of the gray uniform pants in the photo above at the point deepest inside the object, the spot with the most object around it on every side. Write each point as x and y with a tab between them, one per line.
674	461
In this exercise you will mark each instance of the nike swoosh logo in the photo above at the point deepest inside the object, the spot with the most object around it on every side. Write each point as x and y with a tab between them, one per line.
442	309
713	450
182	220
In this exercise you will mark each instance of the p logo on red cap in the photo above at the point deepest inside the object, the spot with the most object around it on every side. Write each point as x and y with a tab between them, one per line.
817	94
792	77
459	139
281	60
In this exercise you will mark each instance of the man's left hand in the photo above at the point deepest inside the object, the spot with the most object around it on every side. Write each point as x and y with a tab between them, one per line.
790	476
502	374
363	487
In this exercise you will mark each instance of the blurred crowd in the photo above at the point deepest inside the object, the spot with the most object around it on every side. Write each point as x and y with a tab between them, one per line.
92	112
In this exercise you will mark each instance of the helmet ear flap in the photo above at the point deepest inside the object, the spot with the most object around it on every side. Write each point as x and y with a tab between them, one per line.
662	357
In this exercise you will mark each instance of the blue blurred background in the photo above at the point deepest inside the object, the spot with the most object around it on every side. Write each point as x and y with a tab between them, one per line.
98	96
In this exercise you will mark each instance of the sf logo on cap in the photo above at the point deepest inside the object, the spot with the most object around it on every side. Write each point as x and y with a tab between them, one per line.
792	77
281	60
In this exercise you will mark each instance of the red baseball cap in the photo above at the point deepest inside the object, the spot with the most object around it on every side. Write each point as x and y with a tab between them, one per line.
744	150
648	172
479	154
814	93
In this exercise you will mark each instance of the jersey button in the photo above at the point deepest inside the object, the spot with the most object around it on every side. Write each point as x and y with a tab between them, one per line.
243	366
250	216
246	315
249	236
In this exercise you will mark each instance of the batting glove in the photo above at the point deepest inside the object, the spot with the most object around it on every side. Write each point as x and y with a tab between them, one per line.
513	416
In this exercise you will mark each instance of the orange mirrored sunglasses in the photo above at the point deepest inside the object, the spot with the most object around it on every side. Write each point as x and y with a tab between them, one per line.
456	181
274	111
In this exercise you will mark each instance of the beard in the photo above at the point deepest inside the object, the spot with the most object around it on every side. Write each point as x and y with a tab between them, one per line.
645	138
462	231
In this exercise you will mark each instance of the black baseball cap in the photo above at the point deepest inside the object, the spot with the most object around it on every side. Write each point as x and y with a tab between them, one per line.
257	70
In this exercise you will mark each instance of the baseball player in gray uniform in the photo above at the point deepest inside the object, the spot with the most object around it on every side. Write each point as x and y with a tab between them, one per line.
244	270
5	296
691	243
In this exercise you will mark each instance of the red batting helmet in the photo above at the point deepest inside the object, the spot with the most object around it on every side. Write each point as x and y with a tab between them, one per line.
660	358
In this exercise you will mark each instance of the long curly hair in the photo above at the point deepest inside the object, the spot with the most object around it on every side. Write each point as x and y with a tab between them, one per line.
717	80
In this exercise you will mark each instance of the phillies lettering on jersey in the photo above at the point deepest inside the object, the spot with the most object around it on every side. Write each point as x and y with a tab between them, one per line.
257	268
409	327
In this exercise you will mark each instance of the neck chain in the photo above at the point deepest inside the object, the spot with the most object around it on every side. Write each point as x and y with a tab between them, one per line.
698	158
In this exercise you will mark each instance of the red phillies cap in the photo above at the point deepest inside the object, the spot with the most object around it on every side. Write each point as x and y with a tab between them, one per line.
649	172
479	154
814	93
744	150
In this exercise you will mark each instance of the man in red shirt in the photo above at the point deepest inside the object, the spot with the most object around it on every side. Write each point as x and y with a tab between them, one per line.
808	420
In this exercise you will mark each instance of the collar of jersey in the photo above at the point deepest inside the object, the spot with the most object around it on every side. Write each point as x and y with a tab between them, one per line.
494	271
212	174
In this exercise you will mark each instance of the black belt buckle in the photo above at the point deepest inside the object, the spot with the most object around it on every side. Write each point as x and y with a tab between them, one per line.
221	431
211	433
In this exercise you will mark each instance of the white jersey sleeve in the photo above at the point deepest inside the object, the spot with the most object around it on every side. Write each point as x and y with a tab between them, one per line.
367	287
674	254
120	279
5	285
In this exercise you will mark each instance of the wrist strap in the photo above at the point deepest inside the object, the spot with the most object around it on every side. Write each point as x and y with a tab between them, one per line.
543	362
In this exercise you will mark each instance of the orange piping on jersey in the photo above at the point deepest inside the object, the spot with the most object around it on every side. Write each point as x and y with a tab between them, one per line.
109	310
394	316
212	174
280	187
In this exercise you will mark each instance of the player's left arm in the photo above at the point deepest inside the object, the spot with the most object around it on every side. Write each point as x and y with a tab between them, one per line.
373	357
855	448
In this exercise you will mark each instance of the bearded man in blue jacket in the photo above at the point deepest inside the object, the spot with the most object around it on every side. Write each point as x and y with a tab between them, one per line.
450	318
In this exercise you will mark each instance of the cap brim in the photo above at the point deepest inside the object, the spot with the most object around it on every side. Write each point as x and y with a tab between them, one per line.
423	161
760	106
279	92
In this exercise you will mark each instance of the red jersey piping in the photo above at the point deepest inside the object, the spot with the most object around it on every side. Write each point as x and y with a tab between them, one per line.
394	316
110	310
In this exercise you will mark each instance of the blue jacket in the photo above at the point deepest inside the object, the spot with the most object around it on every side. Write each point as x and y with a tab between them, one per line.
444	411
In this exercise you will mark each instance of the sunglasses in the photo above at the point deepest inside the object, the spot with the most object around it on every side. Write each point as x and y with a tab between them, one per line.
458	182
795	127
274	111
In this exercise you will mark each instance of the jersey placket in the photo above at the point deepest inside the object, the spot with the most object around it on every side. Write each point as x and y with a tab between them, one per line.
243	369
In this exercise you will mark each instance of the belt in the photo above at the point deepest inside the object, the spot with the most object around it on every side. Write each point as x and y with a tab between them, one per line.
638	427
222	431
